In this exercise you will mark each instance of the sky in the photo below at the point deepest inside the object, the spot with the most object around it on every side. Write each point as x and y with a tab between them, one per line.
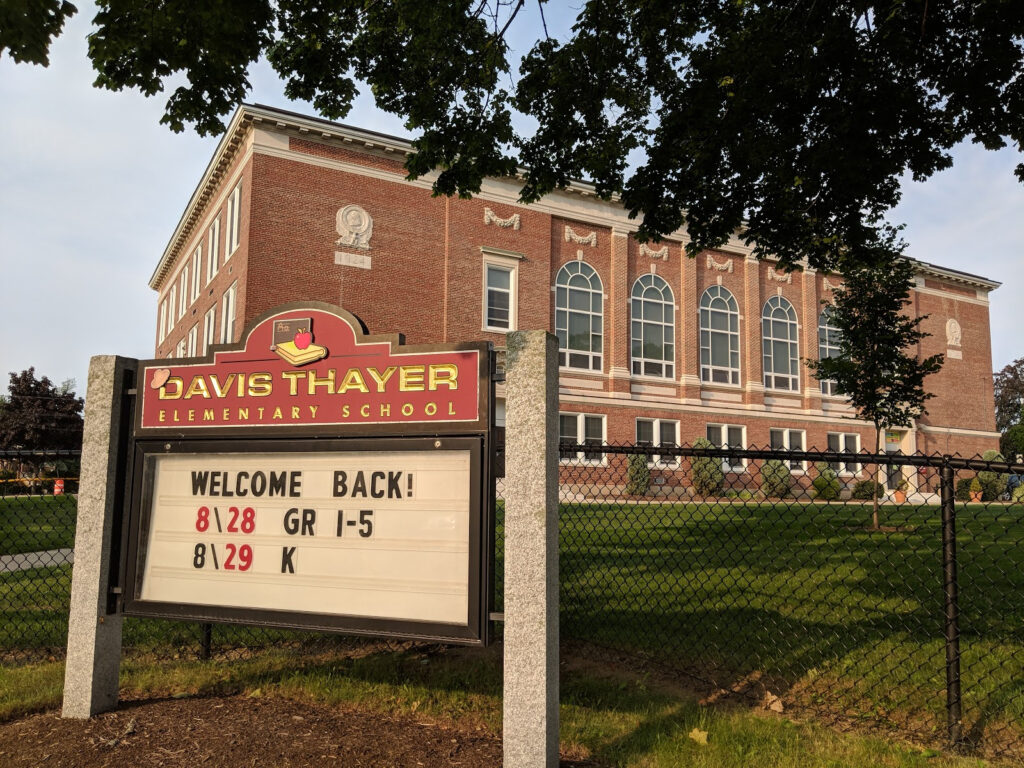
93	186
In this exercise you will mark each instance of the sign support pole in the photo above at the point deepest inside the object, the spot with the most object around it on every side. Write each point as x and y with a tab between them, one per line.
530	717
94	629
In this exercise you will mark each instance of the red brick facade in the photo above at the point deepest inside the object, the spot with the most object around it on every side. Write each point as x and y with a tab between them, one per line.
426	280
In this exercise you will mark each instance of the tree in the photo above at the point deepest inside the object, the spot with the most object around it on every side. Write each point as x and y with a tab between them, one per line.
1011	444
1008	385
792	123
40	416
878	367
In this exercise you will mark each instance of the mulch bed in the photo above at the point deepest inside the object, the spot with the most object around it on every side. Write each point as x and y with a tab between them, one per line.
239	731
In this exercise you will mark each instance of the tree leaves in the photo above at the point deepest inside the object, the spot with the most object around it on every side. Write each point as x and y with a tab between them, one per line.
28	26
37	415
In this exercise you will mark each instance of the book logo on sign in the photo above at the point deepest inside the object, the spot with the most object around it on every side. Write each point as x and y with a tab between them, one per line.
293	342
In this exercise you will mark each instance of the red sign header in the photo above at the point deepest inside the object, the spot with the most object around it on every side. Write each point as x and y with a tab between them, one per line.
313	366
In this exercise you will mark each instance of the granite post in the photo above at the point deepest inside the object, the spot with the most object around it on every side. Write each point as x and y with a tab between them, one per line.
94	634
530	719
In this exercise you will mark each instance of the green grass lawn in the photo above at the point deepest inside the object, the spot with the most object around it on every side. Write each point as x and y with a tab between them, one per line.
35	523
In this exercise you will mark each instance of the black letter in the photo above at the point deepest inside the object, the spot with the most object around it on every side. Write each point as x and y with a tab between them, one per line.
291	521
199	482
287	565
215	481
259	484
308	519
239	491
340	486
394	492
295	487
374	491
359	486
277	483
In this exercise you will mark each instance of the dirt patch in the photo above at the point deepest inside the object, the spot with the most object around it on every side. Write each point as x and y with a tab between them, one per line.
237	731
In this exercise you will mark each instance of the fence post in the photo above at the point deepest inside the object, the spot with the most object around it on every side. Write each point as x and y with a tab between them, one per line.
954	716
530	717
94	628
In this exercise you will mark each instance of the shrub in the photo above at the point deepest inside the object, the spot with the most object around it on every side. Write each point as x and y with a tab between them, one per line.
776	480
963	489
866	489
639	475
706	473
1018	494
826	485
976	488
993	484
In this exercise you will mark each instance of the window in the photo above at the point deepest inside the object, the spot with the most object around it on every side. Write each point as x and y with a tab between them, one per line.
208	325
162	325
789	440
844	443
172	303
501	279
212	250
584	428
652	327
728	436
719	337
659	432
779	345
193	338
197	263
180	350
579	314
234	222
227	315
828	346
183	293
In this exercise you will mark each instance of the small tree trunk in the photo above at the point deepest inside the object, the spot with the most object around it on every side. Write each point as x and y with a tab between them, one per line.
878	474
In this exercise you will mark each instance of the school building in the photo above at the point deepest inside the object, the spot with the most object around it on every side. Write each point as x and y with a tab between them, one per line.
655	347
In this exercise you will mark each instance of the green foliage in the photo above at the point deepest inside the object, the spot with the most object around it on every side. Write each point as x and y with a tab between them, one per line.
639	475
1018	494
776	480
1011	444
868	489
993	484
706	474
963	489
776	84
826	485
975	486
1008	388
40	416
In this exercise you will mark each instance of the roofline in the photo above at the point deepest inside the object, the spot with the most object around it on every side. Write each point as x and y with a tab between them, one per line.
248	114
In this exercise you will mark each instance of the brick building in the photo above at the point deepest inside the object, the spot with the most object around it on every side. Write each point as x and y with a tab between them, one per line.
655	346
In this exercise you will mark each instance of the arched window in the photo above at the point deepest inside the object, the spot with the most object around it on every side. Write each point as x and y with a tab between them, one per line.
579	312
719	337
779	345
652	334
828	345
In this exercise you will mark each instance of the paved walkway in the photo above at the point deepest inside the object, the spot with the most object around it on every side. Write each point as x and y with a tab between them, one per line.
44	559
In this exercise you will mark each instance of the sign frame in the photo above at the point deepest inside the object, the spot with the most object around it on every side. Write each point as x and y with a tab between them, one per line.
131	540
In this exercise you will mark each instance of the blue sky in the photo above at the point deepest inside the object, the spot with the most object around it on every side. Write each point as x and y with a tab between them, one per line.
94	186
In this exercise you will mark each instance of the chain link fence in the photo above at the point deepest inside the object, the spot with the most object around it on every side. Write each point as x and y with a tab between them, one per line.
758	575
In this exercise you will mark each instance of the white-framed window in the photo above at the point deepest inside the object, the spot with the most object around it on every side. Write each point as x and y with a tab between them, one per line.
583	428
179	351
209	322
579	316
234	222
729	436
162	324
193	339
183	292
197	265
829	337
844	442
789	440
719	337
652	327
658	432
780	348
213	249
227	315
500	293
172	306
